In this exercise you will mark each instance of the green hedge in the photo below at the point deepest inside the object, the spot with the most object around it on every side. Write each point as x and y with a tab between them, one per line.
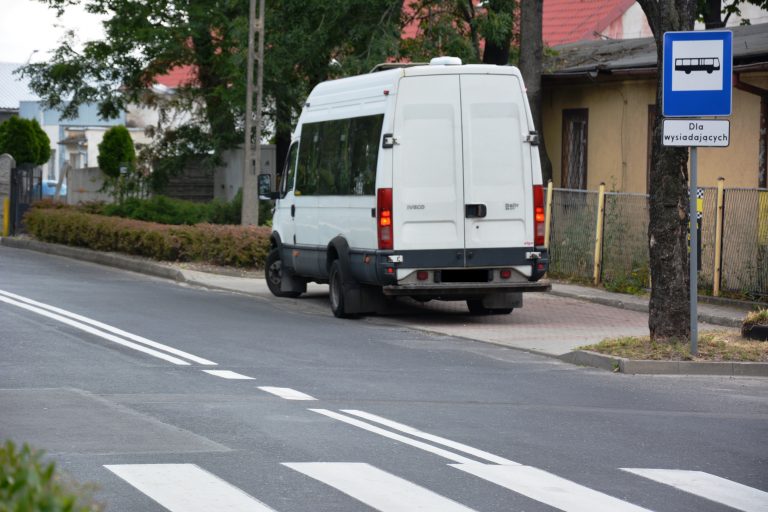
166	210
238	246
27	484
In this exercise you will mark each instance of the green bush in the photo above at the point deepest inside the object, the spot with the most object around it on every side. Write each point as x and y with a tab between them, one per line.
115	150
25	140
27	484
241	246
165	210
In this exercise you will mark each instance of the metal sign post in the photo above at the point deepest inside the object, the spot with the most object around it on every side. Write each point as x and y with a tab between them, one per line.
696	80
693	264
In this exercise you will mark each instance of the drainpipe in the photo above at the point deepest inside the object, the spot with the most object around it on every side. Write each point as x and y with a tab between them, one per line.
762	165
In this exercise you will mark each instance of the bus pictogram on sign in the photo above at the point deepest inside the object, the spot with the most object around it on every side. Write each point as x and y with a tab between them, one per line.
706	64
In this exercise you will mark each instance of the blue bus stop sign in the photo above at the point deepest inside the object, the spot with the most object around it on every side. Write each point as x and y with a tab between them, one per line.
698	67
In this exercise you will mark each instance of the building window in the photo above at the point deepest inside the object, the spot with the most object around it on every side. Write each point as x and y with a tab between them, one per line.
51	171
574	164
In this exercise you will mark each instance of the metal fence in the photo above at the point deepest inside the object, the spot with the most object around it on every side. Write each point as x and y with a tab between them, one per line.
572	239
744	241
625	236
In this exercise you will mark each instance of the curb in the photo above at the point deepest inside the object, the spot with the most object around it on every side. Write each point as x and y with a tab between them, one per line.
103	258
643	308
646	367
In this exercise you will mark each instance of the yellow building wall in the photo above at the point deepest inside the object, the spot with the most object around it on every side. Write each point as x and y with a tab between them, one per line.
617	135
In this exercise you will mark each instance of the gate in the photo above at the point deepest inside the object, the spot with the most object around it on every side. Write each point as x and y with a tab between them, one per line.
26	187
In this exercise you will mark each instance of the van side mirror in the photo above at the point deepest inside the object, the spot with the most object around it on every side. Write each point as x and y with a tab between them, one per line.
265	187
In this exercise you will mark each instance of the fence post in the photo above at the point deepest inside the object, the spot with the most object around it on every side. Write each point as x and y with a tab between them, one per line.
6	216
599	234
718	236
548	215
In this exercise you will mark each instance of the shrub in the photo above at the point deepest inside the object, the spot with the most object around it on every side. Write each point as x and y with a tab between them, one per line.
116	149
165	210
242	246
28	484
25	141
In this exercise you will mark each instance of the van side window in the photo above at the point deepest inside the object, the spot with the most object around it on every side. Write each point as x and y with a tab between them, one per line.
290	169
339	157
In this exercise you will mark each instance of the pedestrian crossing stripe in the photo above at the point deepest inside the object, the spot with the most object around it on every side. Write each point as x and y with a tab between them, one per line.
710	487
376	488
187	488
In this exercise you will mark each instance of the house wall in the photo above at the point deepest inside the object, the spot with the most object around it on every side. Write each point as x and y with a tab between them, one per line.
618	134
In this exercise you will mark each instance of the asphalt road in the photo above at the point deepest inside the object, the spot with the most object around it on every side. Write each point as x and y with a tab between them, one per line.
313	413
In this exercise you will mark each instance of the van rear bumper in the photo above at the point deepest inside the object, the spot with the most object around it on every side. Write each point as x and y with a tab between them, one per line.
465	290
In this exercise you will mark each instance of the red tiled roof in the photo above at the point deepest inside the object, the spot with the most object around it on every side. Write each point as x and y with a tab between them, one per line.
568	21
177	77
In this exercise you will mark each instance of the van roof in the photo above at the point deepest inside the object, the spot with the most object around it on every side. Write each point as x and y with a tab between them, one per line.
372	84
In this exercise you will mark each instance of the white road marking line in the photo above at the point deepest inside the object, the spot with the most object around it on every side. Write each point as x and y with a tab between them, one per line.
435	439
187	488
228	374
376	488
547	488
397	437
109	328
94	331
711	487
287	393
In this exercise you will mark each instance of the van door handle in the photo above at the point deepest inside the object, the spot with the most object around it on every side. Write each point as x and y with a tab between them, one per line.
475	211
293	210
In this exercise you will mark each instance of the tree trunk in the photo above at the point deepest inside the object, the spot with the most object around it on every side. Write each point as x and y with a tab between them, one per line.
531	63
669	308
713	17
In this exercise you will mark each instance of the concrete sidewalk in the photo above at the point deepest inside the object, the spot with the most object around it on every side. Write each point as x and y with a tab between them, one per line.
552	324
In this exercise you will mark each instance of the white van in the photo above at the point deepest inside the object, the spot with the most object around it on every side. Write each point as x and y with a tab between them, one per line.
419	181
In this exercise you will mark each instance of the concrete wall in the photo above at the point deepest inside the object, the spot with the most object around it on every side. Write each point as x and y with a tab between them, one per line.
618	133
227	180
84	185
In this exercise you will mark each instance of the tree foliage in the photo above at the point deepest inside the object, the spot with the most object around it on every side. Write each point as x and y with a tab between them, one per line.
715	13
210	38
25	141
116	150
461	28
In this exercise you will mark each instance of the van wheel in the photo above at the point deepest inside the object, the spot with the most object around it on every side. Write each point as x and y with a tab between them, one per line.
476	308
336	287
274	275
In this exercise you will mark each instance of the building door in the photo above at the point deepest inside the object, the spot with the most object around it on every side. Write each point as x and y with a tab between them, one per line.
574	164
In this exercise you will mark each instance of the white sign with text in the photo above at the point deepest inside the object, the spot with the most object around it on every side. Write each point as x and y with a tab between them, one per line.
697	132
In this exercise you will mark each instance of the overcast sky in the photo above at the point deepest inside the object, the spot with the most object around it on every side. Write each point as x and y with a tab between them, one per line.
28	25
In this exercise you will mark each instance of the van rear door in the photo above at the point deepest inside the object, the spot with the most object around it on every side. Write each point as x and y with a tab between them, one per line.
461	171
428	183
498	181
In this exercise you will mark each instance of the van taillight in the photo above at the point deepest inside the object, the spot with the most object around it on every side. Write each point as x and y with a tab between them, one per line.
538	215
384	218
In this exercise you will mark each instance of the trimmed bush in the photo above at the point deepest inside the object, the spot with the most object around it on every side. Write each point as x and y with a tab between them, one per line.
116	149
166	210
28	484
240	246
25	140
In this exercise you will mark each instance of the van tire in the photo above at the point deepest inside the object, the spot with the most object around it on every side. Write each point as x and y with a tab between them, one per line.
273	274
476	308
337	286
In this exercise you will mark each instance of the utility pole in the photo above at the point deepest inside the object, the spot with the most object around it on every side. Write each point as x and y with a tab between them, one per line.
250	208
